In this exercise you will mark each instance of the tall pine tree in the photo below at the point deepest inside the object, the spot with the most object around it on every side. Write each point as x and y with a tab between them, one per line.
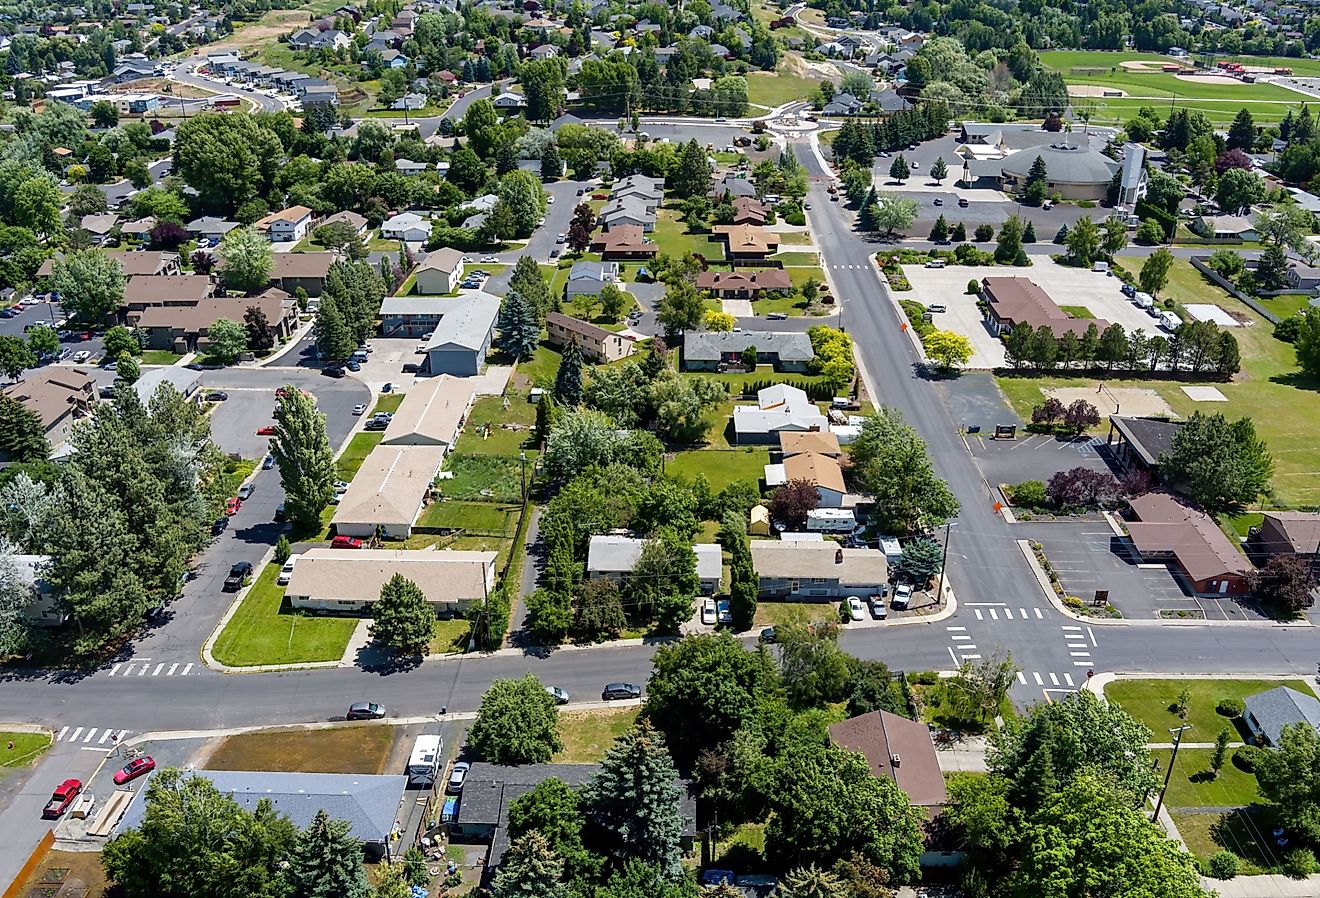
306	462
636	798
334	340
326	862
568	382
528	281
519	331
530	869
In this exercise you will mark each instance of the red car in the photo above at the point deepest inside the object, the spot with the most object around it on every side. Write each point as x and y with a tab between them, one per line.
134	769
61	798
232	505
266	431
345	542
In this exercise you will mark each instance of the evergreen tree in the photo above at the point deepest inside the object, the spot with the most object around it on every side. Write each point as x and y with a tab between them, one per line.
635	797
22	436
693	175
403	619
940	170
334	341
303	455
568	382
519	331
528	280
326	862
898	169
959	233
1036	187
1009	243
530	869
868	217
940	230
1029	233
552	164
1242	133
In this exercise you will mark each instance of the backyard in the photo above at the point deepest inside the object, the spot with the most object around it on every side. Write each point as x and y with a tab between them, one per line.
264	631
721	466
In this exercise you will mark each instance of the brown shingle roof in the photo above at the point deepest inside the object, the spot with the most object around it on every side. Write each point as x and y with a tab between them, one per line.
1165	525
301	265
161	288
1015	301
745	238
820	442
51	391
1300	528
578	326
815	468
194	319
884	739
622	238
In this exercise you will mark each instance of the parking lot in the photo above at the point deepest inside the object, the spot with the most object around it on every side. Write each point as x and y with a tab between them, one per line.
1033	456
1098	293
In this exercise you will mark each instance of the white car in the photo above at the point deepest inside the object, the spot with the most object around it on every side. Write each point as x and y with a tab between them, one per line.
902	596
420	350
359	409
855	609
550	199
81	356
489	260
286	572
468	260
708	612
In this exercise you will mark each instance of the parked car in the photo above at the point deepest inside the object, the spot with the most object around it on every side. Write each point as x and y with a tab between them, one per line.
365	711
376	424
558	694
855	610
878	609
902	596
219	526
232	505
614	691
708	612
246	490
387	388
217	396
1128	290
279	512
777	316
61	798
768	636
962	202
715	877
723	612
345	542
134	769
286	572
81	356
238	575
353	365
411	368
457	775
266	430
359	409
268	462
333	371
489	260
939	202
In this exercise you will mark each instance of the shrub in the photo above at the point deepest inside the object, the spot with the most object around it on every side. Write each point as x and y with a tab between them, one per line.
1222	865
924	678
984	232
974	287
1299	863
1029	494
1230	707
1245	758
1288	329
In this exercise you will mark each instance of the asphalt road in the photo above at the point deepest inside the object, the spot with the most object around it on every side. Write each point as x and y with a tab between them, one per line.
185	74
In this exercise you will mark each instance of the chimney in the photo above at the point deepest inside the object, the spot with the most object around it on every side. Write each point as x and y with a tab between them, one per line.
838	556
895	760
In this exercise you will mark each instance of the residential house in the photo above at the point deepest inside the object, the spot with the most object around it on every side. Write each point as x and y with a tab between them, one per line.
388	492
410	167
711	351
291	271
45	608
510	102
744	284
746	242
544	51
411	102
1303	278
440	272
627	211
459	343
614	557
1226	227
312	39
59	395
322	97
820	443
208	227
407	226
1162	529
99	227
490	789
640	185
734	186
812	570
393	59
350	580
287	225
352	219
1013	301
186	381
821	471
368	803
145	262
589	278
139	229
1268	713
749	210
623	242
1138	443
432	413
596	343
143	291
842	104
778	408
897	749
185	328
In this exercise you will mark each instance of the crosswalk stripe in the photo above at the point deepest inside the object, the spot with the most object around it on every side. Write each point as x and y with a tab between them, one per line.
1081	664
1022	678
971	657
173	668
122	734
959	636
1054	680
1067	678
951	629
1039	616
90	734
1080	654
143	671
1069	627
994	614
76	734
159	667
104	736
1039	681
186	668
979	616
60	734
1024	613
115	669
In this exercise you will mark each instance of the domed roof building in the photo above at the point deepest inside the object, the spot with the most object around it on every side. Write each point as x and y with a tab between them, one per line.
1073	172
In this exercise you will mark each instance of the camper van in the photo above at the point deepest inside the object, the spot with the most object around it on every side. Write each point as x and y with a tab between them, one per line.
425	763
1169	321
831	520
1143	300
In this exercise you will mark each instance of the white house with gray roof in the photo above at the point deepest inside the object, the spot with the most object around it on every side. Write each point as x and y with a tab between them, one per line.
589	278
1267	713
779	409
614	557
706	351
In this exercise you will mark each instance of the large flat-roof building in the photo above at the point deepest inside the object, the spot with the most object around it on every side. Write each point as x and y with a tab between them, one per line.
350	580
388	492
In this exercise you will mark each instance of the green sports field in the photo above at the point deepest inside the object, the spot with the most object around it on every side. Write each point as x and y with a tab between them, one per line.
1165	91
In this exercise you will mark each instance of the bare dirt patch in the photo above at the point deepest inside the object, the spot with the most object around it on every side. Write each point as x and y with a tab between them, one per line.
347	749
162	86
67	874
1141	65
1094	90
1132	401
1208	79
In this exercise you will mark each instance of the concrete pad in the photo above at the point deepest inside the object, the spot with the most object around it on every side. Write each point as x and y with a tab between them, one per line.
1204	394
738	308
1204	311
1128	401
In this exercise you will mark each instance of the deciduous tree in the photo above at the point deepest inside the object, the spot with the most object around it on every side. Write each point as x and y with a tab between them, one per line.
517	723
90	284
304	458
791	502
247	257
950	348
1155	271
891	463
1222	466
226	338
15	356
1284	581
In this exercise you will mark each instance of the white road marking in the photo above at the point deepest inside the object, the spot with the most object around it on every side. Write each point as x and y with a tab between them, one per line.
90	734
971	657
122	734
979	616
1080	654
955	628
76	734
956	662
173	668
116	667
960	636
60	734
143	671
1039	681
1054	680
104	736
94	748
1091	633
1039	616
186	668
1081	664
159	668
1067	678
1022	678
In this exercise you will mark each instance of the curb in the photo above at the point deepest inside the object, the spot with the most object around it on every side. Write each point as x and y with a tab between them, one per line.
902	316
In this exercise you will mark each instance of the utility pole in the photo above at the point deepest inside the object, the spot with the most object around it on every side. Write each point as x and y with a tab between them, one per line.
944	559
1168	774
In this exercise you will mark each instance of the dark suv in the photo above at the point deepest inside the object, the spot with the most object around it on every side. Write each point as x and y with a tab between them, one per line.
620	690
238	575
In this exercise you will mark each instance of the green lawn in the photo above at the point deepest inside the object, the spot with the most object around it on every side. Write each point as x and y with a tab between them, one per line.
1193	787
235	472
737	381
484	477
1077	311
776	89
721	466
542	367
775	614
1150	701
938	708
791	260
356	453
484	432
1242	524
1246	833
388	402
797	238
450	637
587	735
672	237
27	748
262	631
159	357
1269	381
480	517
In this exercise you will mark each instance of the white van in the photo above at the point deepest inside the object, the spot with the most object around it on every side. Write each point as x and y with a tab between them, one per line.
936	307
424	763
286	572
1100	266
1169	321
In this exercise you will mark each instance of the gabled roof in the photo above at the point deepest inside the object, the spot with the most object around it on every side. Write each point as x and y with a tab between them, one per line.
1166	526
818	470
446	259
1282	706
1300	528
898	749
711	346
431	412
822	443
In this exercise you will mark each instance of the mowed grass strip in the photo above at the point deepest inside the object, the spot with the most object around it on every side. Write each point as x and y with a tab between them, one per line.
1150	701
721	466
481	517
27	747
346	749
264	631
587	735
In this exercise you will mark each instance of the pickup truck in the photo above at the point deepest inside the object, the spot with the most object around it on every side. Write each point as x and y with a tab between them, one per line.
61	798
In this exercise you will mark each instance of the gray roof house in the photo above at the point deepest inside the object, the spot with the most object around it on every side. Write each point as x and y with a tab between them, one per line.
185	380
705	351
842	104
1268	712
368	803
615	557
779	408
628	211
461	339
589	278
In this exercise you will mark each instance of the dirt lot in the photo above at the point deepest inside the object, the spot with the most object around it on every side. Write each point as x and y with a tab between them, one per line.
1129	400
162	86
67	874
347	749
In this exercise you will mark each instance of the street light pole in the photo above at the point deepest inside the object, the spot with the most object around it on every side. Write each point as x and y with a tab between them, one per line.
944	558
522	457
1168	774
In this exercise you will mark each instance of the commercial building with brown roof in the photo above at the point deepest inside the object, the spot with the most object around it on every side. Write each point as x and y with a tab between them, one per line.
388	491
184	328
350	580
432	413
145	290
623	242
1287	533
596	343
744	241
898	749
743	284
59	395
816	570
1013	301
1163	529
289	271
